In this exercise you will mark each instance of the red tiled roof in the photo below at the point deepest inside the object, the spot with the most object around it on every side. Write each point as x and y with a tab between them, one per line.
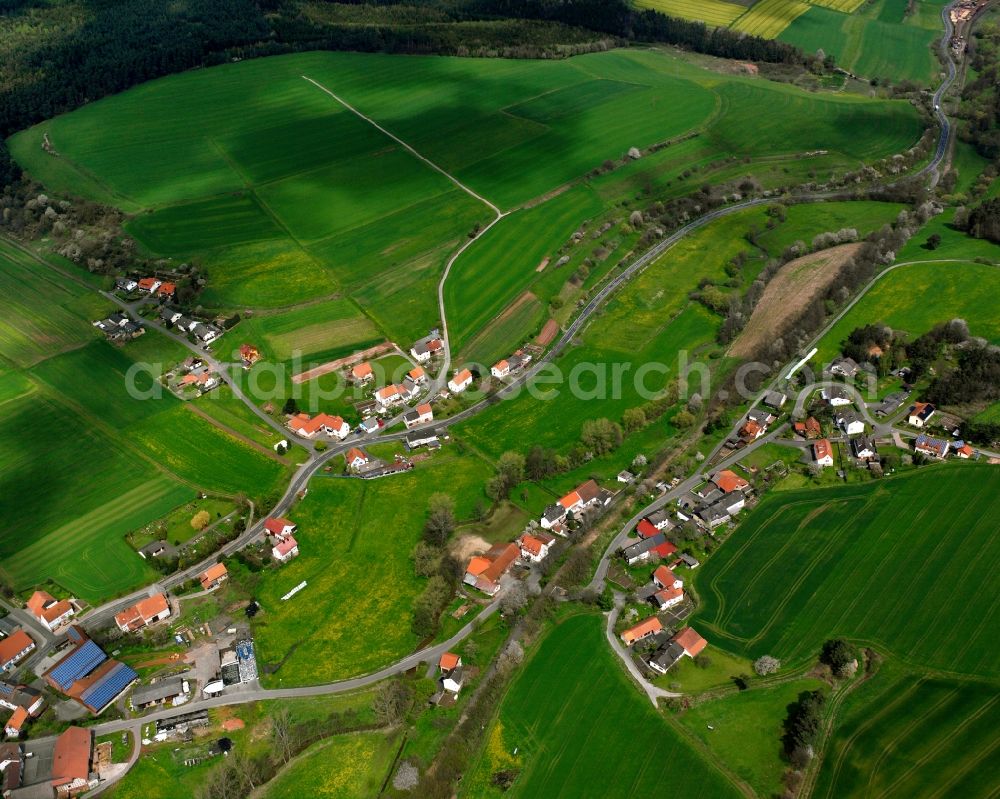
303	424
354	454
646	529
362	370
728	481
214	572
417	372
531	544
664	576
668	593
71	758
571	499
425	408
477	565
166	289
44	606
462	376
14	644
812	426
448	661
17	719
502	558
286	545
665	550
692	642
501	365
751	428
642	629
276	524
388	392
147	283
821	449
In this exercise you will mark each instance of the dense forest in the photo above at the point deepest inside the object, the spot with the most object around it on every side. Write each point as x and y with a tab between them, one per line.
56	55
980	107
984	221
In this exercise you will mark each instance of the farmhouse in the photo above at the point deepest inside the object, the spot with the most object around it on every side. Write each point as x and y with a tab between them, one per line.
932	447
356	458
284	547
500	369
419	415
692	643
751	431
249	355
369	425
50	612
535	546
892	403
508	366
149	284
845	367
14	648
586	495
687	643
309	427
425	348
390	395
718	513
963	450
863	448
362	373
118	327
143	613
728	481
823	453
642	550
850	421
71	760
422	438
810	428
660	519
461	381
87	675
643	629
214	576
417	375
204	381
484	571
160	693
15	724
169	315
835	396
14	697
920	414
166	290
276	525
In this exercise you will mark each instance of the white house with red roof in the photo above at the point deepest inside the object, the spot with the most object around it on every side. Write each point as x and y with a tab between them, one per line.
461	381
320	424
823	453
500	369
689	640
276	525
166	290
419	415
52	613
149	284
646	529
284	547
484	571
417	374
390	395
535	546
643	629
962	450
728	481
15	647
427	346
920	413
362	373
143	613
356	458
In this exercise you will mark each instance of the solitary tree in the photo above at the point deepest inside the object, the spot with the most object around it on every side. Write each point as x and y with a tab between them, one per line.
440	519
766	665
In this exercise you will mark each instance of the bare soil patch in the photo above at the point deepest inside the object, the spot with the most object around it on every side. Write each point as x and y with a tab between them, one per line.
350	360
467	545
788	294
549	331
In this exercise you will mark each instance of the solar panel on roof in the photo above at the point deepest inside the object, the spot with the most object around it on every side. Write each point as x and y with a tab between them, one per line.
79	664
109	686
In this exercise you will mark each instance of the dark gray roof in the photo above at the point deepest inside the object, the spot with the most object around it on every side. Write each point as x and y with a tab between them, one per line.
658	517
554	512
690	560
759	415
861	443
668	655
643	546
158	691
835	392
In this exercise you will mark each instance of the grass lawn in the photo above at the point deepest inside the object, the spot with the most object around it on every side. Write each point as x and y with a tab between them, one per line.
898	299
904	734
862	561
351	766
176	527
355	538
582	728
745	729
955	244
689	677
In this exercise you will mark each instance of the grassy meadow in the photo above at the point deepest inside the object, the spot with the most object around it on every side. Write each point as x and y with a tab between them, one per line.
582	729
902	564
900	300
355	538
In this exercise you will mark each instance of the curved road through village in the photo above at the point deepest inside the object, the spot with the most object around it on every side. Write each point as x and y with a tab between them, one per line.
250	693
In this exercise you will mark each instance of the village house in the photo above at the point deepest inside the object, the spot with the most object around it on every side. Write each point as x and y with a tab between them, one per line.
586	495
149	284
276	525
204	381
775	399
417	375
450	667
11	769
71	762
166	290
249	355
362	373
920	414
143	613
863	448
428	346
823	453
890	404
962	450
810	428
205	333
50	612
284	547
670	588
648	547
118	326
422	438
419	415
751	431
484	571
389	395
321	423
850	422
169	315
845	367
728	481
642	630
87	675
535	546
21	697
686	643
126	284
461	381
356	458
16	723
646	529
14	648
508	366
835	396
369	425
660	519
214	576
931	447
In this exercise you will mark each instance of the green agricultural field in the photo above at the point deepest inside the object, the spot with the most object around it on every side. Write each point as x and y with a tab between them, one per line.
342	767
806	221
955	244
768	18
745	729
355	538
39	318
900	300
913	735
902	564
881	39
582	728
711	12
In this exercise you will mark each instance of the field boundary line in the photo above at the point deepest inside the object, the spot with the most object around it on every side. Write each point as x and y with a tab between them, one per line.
232	432
402	143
